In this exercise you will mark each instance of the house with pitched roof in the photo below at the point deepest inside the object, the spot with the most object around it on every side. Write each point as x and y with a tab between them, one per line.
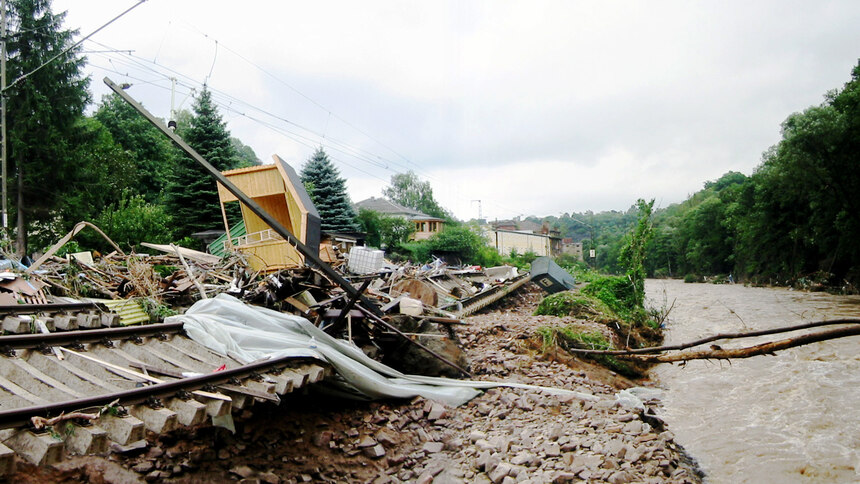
425	225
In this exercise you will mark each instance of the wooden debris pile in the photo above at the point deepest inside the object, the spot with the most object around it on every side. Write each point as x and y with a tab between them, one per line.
404	315
160	278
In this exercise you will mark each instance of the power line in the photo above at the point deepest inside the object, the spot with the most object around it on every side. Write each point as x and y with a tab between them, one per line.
305	136
71	47
226	100
312	101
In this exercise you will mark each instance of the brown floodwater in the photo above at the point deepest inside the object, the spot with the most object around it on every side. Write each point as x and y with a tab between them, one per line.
793	417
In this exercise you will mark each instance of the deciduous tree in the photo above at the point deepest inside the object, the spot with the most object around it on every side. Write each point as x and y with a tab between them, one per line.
407	190
152	153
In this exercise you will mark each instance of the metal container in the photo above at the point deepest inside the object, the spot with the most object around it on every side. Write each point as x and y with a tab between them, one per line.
550	276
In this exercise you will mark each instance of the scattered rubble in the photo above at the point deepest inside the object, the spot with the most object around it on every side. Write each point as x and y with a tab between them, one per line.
504	435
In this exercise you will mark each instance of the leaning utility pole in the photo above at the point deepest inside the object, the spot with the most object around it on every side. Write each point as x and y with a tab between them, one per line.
311	257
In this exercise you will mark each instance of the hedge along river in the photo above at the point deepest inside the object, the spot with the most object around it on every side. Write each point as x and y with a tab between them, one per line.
793	417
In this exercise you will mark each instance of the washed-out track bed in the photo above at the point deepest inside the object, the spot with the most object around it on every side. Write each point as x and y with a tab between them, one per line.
104	387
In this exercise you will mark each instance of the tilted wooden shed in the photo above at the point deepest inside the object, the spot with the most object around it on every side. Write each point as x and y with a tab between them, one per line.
278	189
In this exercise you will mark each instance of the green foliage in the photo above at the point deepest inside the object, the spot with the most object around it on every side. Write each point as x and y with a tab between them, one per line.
417	251
245	153
329	193
156	310
385	231
795	219
568	337
463	242
70	247
105	169
569	303
407	190
163	270
192	196
131	222
42	111
689	278
456	242
632	256
617	292
150	152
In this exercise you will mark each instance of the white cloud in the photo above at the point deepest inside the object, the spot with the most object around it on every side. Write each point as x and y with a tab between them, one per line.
533	107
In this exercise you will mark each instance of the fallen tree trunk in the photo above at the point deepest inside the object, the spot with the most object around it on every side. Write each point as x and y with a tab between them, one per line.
708	339
763	349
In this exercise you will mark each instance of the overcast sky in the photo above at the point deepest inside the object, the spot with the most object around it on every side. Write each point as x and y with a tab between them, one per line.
534	108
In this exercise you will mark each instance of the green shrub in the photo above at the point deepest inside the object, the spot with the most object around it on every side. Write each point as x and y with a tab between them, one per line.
569	303
691	278
489	257
69	247
129	223
661	273
615	291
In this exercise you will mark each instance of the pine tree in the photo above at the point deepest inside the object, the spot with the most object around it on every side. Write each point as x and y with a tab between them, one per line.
45	100
192	195
328	192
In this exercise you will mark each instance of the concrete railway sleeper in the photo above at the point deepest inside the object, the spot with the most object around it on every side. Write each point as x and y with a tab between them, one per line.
20	318
140	378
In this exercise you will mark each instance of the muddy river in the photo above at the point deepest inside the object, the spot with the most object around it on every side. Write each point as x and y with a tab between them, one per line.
793	417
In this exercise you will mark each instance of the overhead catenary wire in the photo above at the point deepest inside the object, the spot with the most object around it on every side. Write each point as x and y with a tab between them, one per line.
226	101
305	136
71	47
311	100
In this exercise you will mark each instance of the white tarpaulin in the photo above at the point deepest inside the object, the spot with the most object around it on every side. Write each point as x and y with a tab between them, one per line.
248	333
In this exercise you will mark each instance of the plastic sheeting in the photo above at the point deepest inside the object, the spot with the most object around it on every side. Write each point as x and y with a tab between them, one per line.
249	333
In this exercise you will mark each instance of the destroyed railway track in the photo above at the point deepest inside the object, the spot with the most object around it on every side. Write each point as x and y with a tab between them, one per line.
473	304
134	378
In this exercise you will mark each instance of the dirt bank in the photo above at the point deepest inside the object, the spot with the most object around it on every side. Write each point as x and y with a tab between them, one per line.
503	436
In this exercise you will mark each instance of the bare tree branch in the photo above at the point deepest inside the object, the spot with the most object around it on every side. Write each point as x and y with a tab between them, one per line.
708	339
763	349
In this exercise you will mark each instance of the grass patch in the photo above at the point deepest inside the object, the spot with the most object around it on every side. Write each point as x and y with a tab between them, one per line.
569	303
566	337
615	291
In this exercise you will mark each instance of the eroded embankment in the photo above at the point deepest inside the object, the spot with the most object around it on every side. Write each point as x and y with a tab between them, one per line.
504	435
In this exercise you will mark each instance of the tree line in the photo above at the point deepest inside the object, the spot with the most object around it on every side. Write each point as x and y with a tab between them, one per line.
111	167
795	220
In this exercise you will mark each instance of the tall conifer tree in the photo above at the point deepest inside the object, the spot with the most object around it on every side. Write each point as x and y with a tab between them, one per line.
328	192
45	100
192	195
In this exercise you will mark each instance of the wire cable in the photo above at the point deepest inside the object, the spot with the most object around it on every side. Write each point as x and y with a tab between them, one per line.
73	46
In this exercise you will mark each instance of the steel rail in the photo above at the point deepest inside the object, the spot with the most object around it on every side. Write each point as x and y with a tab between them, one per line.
21	416
483	299
47	308
85	335
253	206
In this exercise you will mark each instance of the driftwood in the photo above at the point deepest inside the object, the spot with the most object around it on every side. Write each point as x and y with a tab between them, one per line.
708	339
42	422
715	352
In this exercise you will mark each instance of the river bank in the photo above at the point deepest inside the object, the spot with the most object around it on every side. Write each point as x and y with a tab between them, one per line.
505	435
